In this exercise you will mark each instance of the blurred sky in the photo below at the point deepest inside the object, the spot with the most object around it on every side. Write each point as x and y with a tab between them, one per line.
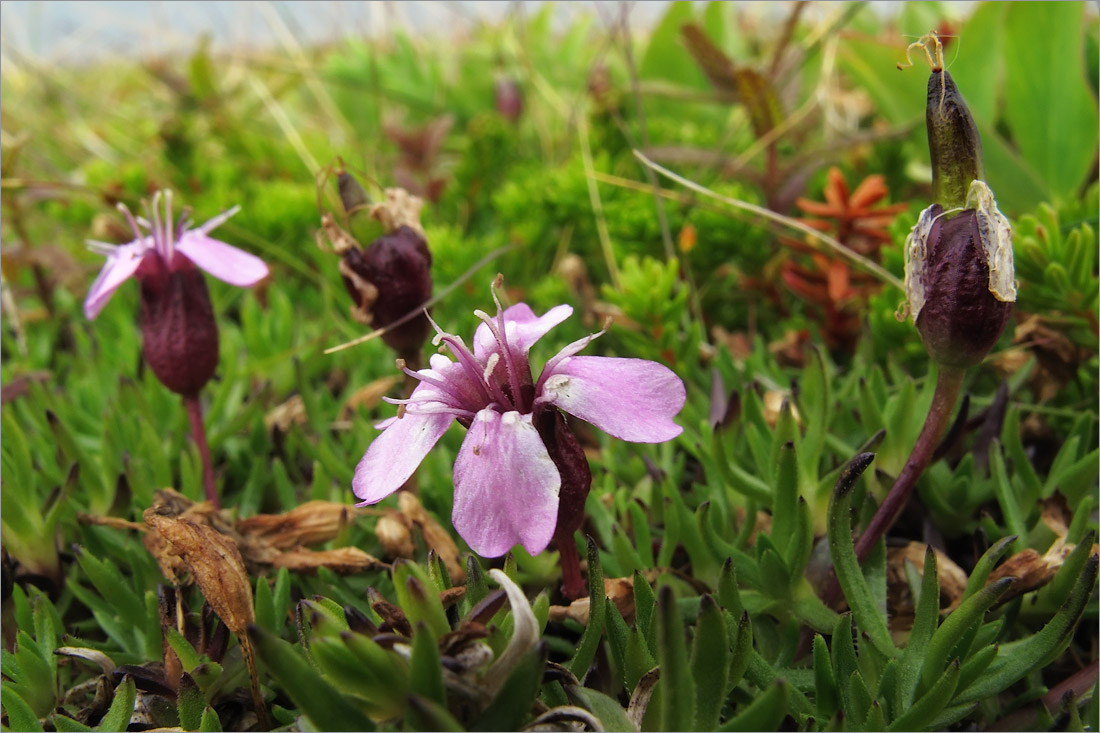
69	32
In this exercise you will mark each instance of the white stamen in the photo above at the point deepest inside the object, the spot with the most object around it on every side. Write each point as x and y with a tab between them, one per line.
490	365
101	248
218	220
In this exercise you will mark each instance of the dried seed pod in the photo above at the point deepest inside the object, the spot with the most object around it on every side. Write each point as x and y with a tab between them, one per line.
959	274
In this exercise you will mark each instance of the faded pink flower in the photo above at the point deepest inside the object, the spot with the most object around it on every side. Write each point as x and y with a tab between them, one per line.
173	246
507	486
179	336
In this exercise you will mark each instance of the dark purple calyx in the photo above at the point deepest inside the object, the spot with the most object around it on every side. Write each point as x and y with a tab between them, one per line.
179	336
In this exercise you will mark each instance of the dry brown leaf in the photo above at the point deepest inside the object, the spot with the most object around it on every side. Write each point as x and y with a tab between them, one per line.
773	405
395	534
394	531
342	560
899	600
368	396
291	412
309	524
399	209
619	591
213	561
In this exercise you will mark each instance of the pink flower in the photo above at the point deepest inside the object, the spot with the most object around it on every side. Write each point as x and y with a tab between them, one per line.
171	246
507	485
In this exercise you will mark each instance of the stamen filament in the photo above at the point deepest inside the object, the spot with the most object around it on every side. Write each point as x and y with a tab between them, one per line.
138	235
509	362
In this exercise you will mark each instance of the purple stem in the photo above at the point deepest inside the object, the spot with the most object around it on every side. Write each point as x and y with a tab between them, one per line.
948	384
198	434
572	582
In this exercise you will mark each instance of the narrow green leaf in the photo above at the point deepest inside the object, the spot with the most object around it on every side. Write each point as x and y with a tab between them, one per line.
741	651
978	663
607	710
325	706
638	659
1006	497
848	571
676	685
985	566
118	715
20	715
922	712
64	724
265	606
618	636
428	715
968	614
210	722
824	682
1016	659
190	703
425	666
189	658
925	620
785	507
511	707
710	662
766	712
645	605
476	587
593	632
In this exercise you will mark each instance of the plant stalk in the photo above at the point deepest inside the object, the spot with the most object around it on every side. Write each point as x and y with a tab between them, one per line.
948	385
198	434
572	582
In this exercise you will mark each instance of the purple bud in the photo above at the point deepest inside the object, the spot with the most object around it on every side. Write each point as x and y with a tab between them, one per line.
179	336
509	99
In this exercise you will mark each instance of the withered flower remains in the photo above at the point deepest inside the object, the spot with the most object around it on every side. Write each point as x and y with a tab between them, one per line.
959	273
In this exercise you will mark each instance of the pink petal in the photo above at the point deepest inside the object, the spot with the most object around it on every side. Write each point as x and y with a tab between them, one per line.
632	399
223	261
506	486
120	267
522	328
395	454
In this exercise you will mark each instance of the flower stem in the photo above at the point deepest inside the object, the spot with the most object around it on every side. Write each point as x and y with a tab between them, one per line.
948	384
198	434
572	582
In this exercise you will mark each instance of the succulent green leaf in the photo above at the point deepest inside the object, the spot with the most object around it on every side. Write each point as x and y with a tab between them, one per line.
20	715
766	712
326	707
511	708
677	687
118	714
920	715
710	660
593	632
848	571
190	702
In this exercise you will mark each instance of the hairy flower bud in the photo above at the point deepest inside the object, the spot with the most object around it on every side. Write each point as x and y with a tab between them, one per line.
179	336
